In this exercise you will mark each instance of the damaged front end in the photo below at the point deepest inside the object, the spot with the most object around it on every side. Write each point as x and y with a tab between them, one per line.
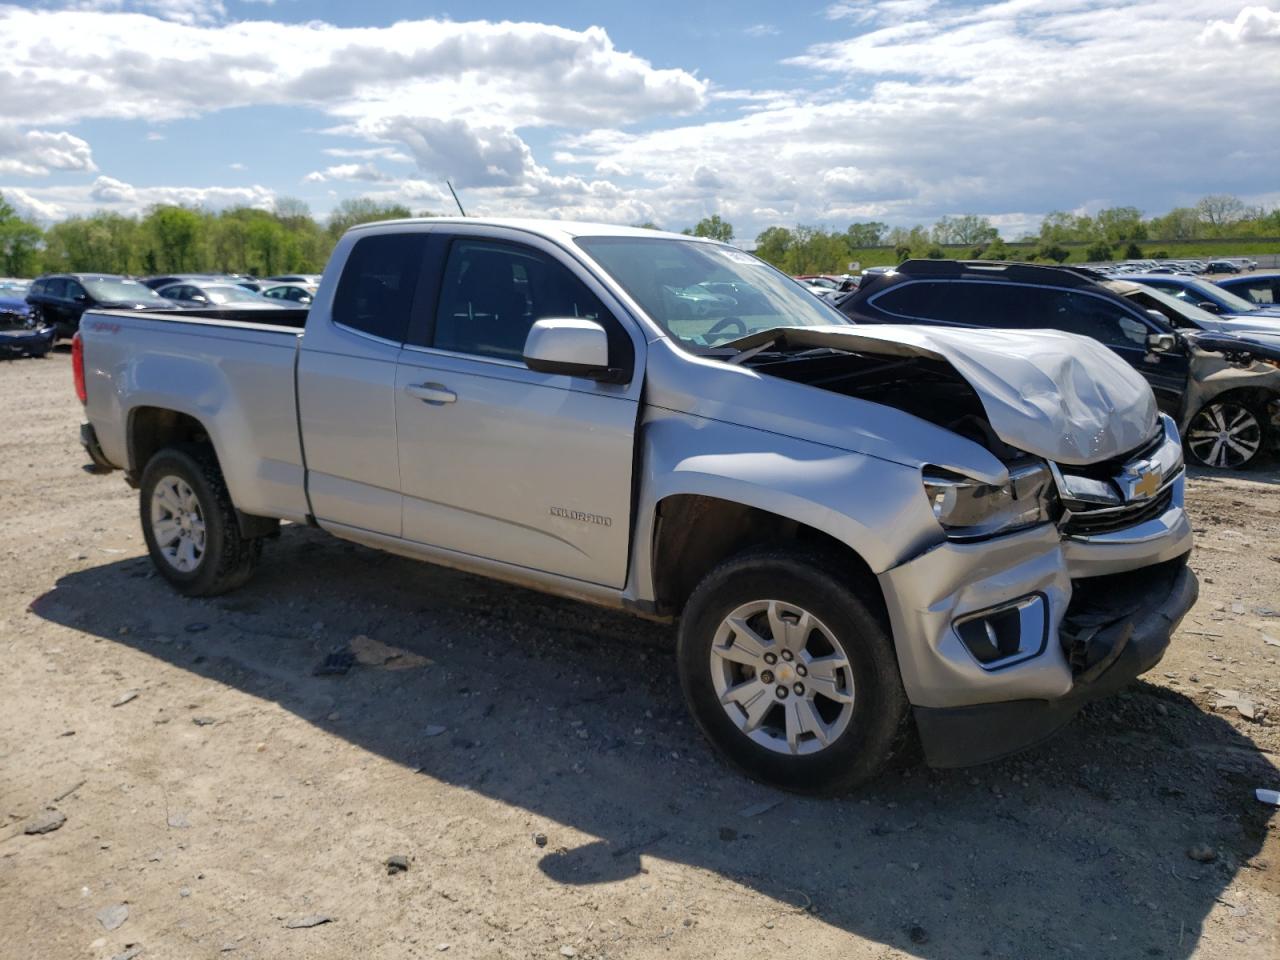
1060	584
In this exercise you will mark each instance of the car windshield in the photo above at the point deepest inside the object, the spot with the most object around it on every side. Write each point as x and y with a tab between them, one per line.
106	291
1181	313
231	294
706	294
1198	290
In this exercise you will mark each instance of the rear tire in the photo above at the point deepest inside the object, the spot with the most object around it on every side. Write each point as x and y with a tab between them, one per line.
189	523
790	675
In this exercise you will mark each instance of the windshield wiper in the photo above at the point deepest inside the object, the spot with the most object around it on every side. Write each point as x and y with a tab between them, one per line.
742	356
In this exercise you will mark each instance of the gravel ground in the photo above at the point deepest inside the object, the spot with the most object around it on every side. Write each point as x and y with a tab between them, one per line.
531	760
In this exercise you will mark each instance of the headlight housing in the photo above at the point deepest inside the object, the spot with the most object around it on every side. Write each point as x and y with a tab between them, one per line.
969	509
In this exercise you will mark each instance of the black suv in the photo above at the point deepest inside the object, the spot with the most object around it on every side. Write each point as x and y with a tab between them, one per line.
59	299
1229	419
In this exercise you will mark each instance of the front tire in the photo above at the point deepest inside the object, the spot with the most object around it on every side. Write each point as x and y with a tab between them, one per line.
1228	434
189	523
790	675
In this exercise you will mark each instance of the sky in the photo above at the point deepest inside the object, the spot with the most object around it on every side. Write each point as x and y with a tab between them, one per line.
824	113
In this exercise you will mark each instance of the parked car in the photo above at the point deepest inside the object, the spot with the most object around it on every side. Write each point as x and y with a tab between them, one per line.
168	279
857	528
1262	289
1218	379
196	294
20	334
59	300
1206	295
299	294
306	279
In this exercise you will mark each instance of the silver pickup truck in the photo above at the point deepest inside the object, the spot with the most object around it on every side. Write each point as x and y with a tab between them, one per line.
865	533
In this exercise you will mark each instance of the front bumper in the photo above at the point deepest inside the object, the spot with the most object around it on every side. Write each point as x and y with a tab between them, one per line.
1116	628
1000	641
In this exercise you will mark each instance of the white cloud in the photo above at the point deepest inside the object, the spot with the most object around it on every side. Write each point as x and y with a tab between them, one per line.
761	30
236	166
179	11
32	208
369	153
33	153
504	74
111	190
57	202
1251	25
347	171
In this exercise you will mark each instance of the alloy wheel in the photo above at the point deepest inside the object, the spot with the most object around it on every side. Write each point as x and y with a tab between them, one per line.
1226	434
782	677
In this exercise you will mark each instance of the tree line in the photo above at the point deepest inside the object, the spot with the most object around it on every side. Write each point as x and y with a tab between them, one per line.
288	239
1115	233
176	239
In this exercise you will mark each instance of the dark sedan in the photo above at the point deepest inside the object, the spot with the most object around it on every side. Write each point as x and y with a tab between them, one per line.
59	300
1260	288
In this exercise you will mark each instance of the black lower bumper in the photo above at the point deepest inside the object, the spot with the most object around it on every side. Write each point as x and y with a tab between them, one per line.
89	440
1115	629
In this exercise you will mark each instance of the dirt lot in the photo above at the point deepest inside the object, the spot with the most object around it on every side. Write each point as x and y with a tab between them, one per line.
539	774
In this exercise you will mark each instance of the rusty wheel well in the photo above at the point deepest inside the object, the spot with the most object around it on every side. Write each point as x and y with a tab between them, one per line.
695	533
151	429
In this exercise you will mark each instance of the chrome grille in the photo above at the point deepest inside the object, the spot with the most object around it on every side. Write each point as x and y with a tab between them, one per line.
1090	523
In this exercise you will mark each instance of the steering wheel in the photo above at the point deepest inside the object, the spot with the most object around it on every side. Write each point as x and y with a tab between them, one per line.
724	322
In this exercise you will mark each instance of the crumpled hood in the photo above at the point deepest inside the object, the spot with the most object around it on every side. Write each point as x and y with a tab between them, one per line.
1059	396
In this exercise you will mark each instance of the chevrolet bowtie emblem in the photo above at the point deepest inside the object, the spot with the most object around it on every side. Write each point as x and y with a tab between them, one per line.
1146	485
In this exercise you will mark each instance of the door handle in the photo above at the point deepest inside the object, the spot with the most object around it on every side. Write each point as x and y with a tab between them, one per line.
433	393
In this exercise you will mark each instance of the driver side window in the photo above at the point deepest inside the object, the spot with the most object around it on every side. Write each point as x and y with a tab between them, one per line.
492	293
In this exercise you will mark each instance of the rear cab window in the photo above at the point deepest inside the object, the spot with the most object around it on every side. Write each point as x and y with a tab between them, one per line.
379	280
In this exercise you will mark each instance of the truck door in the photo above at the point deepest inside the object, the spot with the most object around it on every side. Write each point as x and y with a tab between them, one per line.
346	382
499	461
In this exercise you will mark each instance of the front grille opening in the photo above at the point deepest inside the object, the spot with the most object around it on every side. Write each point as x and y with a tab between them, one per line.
1092	523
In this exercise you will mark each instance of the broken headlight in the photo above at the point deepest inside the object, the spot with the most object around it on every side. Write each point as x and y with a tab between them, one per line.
968	508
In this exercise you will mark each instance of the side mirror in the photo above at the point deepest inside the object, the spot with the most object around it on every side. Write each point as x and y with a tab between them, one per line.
572	346
1209	305
1162	342
81	298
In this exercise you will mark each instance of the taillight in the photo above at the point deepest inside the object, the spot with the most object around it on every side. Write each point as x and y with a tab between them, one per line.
77	367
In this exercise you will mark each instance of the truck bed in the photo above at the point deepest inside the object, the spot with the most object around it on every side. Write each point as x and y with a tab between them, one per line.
231	370
293	319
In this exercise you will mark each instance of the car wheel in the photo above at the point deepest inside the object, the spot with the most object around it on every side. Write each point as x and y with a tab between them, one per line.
790	675
1227	434
189	523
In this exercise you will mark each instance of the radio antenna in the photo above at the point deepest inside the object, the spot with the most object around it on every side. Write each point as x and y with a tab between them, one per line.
455	198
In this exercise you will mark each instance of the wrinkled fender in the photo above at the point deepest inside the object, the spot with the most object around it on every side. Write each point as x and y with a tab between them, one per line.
1213	375
874	506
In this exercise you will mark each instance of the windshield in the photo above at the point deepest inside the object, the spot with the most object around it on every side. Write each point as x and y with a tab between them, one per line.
231	294
105	291
1198	290
1181	313
705	294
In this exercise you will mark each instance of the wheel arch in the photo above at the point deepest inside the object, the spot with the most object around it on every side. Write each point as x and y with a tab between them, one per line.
694	533
151	429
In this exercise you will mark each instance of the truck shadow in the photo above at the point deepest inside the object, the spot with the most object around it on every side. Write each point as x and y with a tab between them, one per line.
574	714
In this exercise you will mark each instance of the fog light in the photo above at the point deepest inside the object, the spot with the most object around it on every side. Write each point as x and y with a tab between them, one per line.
1001	636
